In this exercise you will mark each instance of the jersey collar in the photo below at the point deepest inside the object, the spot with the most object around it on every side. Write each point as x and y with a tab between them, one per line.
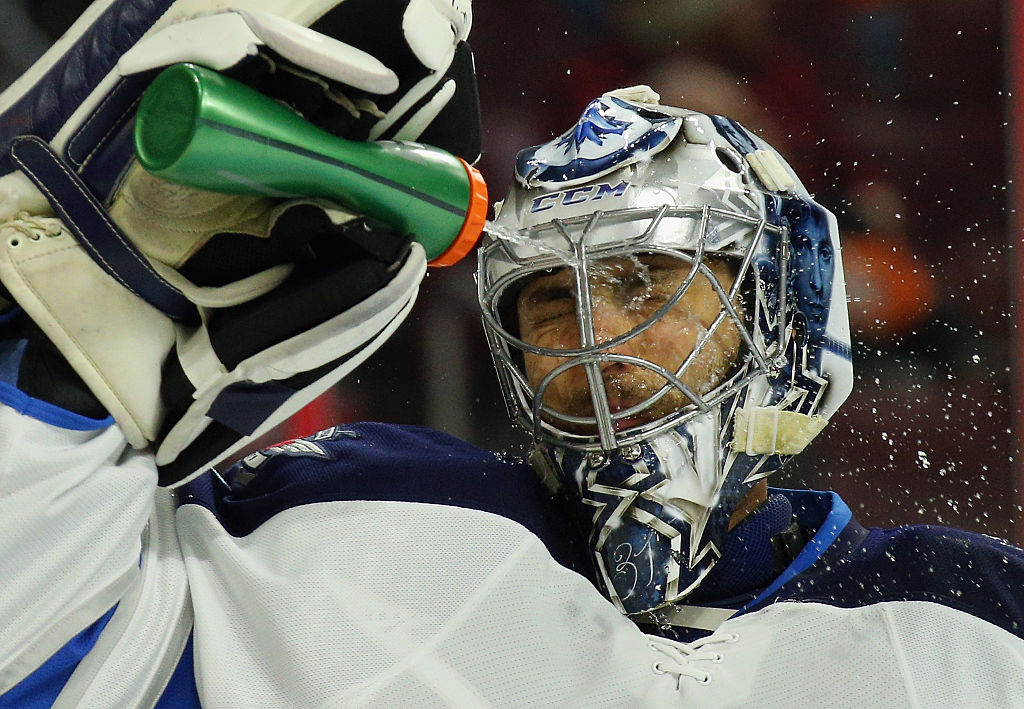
824	511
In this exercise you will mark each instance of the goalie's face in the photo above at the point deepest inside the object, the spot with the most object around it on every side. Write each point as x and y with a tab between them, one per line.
625	292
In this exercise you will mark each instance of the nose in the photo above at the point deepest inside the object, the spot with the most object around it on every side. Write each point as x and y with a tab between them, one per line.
610	320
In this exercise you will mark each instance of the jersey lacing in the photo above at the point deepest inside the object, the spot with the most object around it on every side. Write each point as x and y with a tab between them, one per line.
683	659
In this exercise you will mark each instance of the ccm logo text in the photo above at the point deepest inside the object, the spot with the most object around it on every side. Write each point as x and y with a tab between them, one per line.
578	195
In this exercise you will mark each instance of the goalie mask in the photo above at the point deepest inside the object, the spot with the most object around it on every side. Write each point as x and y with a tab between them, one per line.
667	314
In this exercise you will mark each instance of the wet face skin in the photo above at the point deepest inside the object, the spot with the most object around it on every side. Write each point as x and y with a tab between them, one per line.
625	292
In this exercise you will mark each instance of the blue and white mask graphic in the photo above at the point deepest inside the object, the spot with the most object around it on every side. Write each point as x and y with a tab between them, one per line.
610	134
657	484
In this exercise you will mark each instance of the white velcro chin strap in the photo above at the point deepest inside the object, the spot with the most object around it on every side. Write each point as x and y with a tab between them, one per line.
767	166
768	430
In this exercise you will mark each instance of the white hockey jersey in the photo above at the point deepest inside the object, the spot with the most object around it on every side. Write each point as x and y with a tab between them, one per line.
381	566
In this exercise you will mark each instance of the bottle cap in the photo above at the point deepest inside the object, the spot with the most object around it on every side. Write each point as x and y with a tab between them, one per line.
473	226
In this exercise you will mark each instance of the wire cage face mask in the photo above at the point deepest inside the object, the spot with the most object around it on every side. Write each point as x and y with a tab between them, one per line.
618	260
658	474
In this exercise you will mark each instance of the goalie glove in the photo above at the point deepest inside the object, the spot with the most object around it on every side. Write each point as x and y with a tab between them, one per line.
201	392
201	320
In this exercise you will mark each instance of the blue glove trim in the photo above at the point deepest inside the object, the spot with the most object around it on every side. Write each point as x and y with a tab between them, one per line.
94	229
61	88
105	143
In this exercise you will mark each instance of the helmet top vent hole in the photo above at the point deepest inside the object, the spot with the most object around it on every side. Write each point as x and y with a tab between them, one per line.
730	159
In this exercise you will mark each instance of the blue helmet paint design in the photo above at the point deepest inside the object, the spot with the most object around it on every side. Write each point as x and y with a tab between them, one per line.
656	495
812	268
736	134
611	133
811	247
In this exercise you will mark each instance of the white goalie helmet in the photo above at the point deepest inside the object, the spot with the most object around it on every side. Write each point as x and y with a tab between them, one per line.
630	180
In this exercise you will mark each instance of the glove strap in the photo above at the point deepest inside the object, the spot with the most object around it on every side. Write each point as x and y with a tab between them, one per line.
92	227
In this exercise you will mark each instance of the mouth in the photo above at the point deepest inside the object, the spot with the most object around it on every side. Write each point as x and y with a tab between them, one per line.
624	389
618	403
631	422
615	405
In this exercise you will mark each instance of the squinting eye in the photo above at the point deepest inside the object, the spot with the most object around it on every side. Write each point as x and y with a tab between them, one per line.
549	305
636	282
661	290
551	294
553	320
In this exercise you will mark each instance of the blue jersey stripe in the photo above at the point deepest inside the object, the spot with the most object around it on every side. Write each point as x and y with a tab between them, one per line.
181	691
49	413
848	565
40	689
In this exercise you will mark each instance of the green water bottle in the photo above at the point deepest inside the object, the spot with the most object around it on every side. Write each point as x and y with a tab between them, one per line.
199	128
